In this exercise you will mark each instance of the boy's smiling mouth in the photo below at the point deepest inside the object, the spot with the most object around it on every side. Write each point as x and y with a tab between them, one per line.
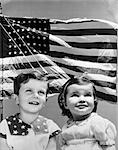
34	103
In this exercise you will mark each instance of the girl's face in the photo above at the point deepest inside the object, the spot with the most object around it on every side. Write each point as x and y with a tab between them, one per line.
80	99
32	96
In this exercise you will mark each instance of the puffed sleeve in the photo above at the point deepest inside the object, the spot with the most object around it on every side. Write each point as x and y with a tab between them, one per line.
104	131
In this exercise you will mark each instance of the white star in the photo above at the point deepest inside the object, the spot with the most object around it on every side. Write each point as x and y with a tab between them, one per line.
44	38
23	29
34	30
22	127
34	43
22	37
9	122
15	126
38	127
10	46
14	118
9	53
46	130
44	123
38	120
28	29
23	133
20	121
15	132
27	36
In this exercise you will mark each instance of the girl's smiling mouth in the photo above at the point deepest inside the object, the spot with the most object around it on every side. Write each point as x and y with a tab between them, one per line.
81	106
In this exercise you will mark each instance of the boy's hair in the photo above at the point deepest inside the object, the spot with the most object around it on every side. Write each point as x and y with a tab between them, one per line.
25	77
62	96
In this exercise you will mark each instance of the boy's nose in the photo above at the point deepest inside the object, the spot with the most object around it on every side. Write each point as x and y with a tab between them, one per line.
36	95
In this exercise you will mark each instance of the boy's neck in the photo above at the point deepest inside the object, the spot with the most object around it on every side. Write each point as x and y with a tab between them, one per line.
28	118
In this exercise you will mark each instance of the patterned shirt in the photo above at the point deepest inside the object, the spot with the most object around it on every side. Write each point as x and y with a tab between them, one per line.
22	136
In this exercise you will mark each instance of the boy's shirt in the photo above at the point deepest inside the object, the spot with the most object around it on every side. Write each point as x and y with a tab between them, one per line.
22	136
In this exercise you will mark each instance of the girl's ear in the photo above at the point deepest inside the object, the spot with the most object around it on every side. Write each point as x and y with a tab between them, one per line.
96	100
65	105
15	97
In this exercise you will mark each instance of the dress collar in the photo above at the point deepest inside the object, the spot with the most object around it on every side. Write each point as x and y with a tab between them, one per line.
81	121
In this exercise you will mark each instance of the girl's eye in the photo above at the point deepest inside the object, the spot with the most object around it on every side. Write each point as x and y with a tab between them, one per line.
75	95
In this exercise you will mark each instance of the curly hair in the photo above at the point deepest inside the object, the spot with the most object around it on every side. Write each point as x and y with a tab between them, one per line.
62	96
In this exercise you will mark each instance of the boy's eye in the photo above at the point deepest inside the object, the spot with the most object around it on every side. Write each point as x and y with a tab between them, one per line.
41	92
28	91
88	94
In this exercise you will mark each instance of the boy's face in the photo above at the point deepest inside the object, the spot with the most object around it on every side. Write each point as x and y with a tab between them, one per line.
32	96
80	99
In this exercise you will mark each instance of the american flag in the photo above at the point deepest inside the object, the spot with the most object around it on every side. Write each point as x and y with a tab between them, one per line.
60	48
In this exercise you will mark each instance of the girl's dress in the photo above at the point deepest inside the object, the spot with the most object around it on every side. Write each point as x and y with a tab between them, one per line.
21	136
91	134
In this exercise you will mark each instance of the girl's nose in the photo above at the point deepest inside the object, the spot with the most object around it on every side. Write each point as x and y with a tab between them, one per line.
82	99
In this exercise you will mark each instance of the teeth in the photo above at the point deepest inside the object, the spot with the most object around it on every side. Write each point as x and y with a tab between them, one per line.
34	103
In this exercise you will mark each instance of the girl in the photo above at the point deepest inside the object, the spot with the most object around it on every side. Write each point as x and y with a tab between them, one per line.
85	129
28	130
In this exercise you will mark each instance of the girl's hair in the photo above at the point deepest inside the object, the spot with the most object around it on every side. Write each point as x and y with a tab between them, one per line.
62	96
25	77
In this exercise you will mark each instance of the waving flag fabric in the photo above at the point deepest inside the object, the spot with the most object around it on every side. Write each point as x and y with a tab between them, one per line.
94	50
60	48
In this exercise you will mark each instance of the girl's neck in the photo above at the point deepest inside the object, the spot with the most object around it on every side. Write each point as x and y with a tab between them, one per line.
81	118
28	118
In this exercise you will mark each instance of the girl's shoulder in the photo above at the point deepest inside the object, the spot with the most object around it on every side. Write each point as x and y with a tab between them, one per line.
103	129
97	119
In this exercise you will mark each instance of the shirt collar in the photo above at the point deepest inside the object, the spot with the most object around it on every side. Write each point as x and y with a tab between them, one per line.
18	127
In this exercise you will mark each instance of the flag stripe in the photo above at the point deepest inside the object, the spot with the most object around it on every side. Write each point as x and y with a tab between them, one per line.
80	32
87	64
107	97
81	57
89	38
83	51
84	69
97	45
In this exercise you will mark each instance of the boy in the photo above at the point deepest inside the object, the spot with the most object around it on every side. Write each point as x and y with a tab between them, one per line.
28	130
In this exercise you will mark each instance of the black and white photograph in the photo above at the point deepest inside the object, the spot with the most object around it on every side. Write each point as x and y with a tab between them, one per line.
58	74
